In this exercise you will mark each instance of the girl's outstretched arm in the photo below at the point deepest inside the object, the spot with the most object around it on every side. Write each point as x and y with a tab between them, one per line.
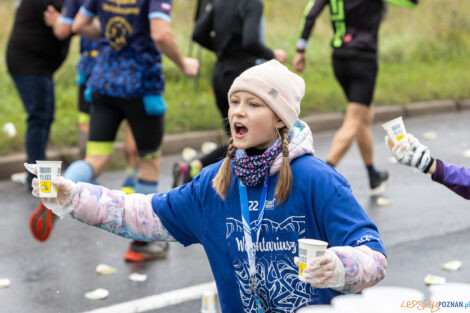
130	216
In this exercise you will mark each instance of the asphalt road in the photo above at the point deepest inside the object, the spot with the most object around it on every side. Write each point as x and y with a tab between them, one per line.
424	226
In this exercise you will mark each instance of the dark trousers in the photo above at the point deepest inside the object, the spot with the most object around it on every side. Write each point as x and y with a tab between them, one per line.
37	94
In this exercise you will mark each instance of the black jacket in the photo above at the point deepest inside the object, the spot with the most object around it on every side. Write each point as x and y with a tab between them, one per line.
355	23
32	47
231	29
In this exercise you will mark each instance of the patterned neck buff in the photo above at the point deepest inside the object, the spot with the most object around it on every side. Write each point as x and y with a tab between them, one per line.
252	169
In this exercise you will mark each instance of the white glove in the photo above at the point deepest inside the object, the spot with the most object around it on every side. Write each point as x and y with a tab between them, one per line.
67	196
326	271
415	154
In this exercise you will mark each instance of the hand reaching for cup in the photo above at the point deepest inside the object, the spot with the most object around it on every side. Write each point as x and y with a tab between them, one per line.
412	153
326	271
67	196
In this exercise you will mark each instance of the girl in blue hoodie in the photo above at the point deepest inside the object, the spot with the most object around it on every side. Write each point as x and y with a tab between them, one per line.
250	209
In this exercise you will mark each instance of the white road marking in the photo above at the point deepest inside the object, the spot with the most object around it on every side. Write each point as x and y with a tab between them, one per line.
158	301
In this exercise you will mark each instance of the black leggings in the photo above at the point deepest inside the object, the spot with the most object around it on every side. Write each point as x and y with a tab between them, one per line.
107	113
357	78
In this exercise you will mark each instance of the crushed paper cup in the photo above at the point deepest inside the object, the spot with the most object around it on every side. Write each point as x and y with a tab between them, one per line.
4	283
137	277
434	280
382	201
9	129
430	135
452	266
208	146
104	269
188	154
97	294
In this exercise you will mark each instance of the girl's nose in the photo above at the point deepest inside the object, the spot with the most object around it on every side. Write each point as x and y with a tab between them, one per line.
240	110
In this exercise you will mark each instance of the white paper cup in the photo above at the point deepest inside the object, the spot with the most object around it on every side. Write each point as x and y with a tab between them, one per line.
308	250
46	172
395	130
209	302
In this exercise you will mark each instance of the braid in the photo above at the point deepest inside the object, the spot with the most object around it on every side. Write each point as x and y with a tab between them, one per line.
284	181
221	181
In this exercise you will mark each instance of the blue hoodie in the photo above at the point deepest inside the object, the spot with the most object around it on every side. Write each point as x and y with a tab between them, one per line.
320	206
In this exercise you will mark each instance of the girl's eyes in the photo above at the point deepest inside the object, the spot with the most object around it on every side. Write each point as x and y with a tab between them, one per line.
252	104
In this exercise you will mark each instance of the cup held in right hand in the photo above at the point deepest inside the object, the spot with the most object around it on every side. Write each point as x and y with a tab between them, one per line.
396	130
308	250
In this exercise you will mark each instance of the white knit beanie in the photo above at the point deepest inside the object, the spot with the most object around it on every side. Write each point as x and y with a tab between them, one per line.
278	87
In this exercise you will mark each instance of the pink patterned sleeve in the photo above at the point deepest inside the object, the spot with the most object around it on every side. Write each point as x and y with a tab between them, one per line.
129	216
364	267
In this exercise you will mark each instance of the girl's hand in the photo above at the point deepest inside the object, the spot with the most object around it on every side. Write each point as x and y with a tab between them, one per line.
67	196
326	271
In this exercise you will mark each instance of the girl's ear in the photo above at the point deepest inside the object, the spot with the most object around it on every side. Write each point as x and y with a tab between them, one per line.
279	123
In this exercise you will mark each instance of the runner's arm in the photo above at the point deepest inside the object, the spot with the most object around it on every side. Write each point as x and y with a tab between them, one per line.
86	24
202	31
61	26
163	38
311	13
250	31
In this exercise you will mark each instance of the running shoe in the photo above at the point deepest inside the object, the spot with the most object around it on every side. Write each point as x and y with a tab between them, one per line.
128	185
180	174
378	182
41	222
140	251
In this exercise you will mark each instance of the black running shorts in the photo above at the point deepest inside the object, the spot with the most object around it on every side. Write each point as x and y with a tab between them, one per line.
357	78
106	115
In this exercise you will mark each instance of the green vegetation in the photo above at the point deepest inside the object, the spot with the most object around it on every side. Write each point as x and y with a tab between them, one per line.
423	55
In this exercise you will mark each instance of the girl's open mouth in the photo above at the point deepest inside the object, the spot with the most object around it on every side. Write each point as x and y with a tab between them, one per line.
240	130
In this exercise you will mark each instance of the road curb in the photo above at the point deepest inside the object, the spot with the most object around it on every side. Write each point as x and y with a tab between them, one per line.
174	143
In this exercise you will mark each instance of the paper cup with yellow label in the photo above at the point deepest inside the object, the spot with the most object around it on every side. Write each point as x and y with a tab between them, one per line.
396	130
308	250
46	172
